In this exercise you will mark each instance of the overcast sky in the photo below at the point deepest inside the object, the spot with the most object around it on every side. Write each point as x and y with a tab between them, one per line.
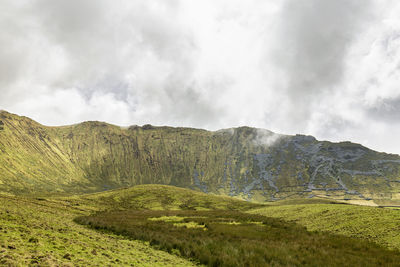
325	68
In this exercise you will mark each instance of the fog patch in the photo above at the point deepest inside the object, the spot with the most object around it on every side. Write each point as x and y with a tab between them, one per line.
266	138
230	131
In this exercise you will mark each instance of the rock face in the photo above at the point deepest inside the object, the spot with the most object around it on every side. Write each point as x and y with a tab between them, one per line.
250	163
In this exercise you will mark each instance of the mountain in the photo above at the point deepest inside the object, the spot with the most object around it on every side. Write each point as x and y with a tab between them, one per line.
248	163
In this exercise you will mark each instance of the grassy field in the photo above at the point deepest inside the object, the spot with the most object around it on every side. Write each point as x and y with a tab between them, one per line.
379	225
232	238
153	225
156	197
39	231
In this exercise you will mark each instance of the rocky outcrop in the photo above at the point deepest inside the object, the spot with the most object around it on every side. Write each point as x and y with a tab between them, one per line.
245	162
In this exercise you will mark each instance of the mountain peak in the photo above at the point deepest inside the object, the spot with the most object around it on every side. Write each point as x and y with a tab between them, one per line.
249	163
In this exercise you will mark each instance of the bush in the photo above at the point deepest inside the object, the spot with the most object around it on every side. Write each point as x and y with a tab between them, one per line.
232	238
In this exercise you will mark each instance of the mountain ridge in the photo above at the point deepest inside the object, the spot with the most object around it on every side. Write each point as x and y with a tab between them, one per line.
249	163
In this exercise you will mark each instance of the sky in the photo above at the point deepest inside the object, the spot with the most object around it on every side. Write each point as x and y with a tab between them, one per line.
330	68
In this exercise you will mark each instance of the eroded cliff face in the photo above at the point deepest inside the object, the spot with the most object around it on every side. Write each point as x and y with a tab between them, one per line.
250	163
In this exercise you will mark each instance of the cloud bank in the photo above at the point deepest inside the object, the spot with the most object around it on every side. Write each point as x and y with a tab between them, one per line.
325	68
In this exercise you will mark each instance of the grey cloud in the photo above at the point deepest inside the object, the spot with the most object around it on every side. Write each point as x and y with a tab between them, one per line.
187	105
99	39
314	37
385	110
106	43
13	44
138	62
334	126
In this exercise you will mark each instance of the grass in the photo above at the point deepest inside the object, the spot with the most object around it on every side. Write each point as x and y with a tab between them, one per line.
379	225
95	156
41	232
233	238
157	197
153	225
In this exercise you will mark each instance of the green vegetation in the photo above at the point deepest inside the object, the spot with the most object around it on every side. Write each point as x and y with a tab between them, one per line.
155	225
41	168
157	197
380	225
48	165
95	156
232	238
41	232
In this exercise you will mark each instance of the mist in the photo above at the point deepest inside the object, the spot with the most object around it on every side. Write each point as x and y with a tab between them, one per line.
322	68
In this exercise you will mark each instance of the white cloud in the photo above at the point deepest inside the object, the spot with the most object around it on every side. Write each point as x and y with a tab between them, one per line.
70	105
327	68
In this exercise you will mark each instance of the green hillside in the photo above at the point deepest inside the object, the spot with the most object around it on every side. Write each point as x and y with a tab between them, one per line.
244	162
231	238
380	225
156	225
41	231
155	197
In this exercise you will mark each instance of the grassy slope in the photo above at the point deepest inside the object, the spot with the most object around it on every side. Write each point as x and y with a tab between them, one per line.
232	238
41	230
95	156
380	225
157	197
31	157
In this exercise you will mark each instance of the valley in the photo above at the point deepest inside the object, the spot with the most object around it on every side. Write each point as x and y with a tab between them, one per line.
154	225
96	194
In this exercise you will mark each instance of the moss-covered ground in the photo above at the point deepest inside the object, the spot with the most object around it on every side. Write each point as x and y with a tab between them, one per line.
95	156
156	197
41	232
379	225
153	225
232	238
